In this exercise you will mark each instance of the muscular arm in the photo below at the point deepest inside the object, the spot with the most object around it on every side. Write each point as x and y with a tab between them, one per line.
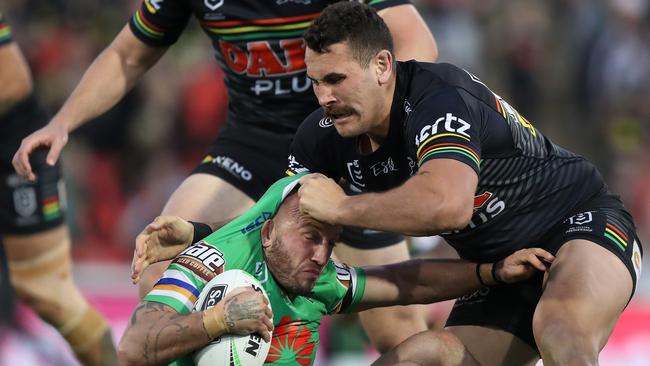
411	36
439	198
113	73
157	334
422	281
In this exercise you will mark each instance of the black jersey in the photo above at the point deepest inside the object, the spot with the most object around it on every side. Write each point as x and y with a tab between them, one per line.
258	44
526	183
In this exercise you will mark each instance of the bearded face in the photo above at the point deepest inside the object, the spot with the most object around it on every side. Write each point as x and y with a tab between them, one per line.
297	248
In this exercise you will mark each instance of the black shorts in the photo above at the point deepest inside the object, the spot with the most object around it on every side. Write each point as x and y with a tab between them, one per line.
603	221
26	207
252	160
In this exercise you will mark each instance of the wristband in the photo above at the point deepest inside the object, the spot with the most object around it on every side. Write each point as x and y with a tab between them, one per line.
494	275
201	230
213	325
478	274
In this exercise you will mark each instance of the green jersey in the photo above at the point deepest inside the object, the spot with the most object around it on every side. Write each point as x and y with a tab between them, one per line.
238	245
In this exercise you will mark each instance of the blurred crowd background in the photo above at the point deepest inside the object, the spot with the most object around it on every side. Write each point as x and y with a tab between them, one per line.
578	69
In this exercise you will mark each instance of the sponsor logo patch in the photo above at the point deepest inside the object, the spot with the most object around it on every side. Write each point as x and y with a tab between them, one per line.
259	221
325	122
231	166
202	259
447	124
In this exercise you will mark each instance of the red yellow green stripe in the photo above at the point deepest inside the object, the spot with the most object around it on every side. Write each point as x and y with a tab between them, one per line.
233	23
616	236
207	159
245	30
146	27
425	142
264	35
51	208
445	148
5	32
259	28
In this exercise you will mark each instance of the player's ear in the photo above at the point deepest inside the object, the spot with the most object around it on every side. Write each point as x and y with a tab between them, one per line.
267	227
383	66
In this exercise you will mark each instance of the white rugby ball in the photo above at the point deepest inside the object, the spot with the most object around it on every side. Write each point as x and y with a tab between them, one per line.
249	350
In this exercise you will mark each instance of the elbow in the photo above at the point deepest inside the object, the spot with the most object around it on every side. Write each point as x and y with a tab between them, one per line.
453	217
127	354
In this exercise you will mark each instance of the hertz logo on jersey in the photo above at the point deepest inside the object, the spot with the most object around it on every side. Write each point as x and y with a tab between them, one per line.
442	127
202	259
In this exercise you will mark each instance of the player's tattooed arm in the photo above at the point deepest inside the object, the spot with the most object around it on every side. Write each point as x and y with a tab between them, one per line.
244	311
157	334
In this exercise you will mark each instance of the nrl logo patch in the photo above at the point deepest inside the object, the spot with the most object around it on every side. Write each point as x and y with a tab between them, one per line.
25	201
213	4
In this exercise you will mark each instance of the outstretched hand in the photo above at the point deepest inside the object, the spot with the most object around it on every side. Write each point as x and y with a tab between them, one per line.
53	135
522	265
162	239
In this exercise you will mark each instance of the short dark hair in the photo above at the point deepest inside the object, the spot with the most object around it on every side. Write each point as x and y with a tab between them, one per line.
354	22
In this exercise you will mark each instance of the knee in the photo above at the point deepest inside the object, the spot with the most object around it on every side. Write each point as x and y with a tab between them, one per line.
563	342
437	348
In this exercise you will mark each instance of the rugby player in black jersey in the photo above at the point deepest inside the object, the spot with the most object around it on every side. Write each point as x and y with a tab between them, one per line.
440	153
259	46
33	231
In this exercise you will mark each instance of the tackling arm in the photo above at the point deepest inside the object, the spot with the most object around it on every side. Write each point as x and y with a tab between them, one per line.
422	281
439	198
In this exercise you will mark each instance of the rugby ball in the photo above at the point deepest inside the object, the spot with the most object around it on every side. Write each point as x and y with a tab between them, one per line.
249	350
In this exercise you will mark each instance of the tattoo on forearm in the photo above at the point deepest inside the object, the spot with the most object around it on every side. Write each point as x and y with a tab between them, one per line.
236	310
161	330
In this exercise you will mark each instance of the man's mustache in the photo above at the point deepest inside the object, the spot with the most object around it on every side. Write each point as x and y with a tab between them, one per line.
334	112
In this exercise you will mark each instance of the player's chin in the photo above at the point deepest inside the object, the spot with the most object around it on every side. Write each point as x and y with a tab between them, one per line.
307	283
347	129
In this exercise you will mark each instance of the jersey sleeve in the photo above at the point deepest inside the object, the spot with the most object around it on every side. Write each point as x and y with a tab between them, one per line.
160	22
440	127
309	150
5	31
340	287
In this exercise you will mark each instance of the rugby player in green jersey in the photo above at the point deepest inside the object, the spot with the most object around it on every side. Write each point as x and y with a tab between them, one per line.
289	253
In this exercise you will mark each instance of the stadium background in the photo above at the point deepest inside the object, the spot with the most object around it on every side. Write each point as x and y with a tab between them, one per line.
579	69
